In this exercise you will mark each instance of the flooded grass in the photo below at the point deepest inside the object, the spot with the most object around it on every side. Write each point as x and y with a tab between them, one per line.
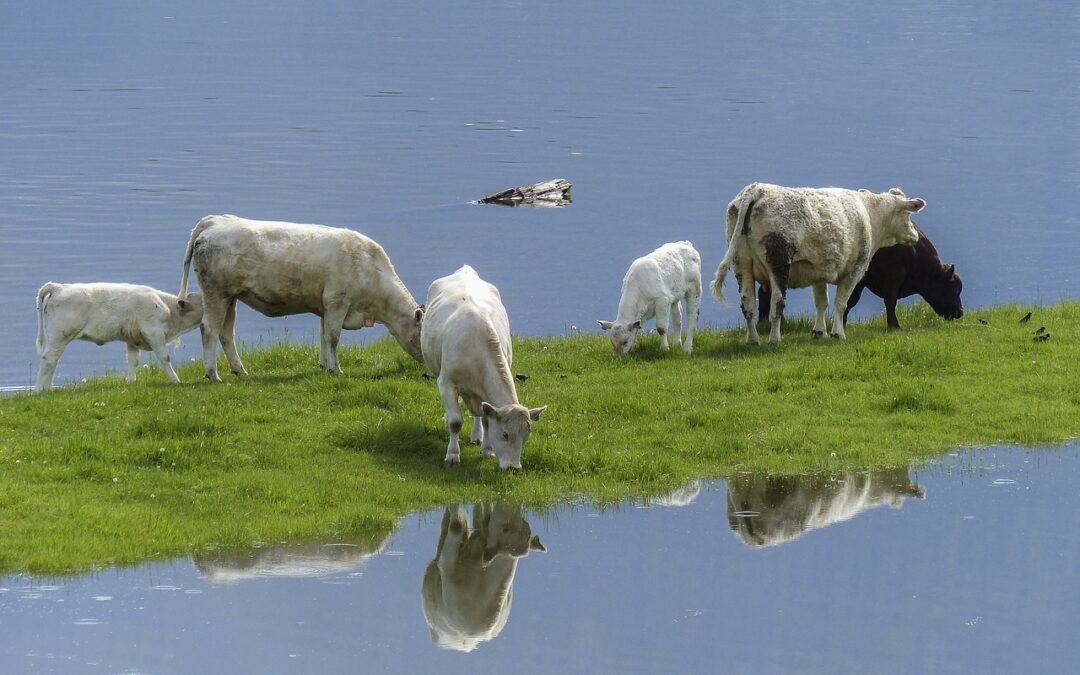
108	474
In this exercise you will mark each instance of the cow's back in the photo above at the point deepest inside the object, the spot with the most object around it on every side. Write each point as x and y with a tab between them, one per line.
103	312
285	268
463	316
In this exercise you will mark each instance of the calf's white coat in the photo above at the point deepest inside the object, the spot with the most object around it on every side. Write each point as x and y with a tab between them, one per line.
143	317
656	285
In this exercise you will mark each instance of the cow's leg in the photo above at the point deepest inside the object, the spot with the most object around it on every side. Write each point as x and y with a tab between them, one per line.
477	437
821	304
228	340
746	294
844	286
49	359
162	355
890	310
214	309
776	313
693	309
663	321
133	361
332	320
676	324
454	420
487	448
853	299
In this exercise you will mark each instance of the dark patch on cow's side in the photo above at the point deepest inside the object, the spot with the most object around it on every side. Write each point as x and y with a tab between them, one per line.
779	254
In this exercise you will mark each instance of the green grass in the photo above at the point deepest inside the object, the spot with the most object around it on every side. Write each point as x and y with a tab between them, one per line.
109	474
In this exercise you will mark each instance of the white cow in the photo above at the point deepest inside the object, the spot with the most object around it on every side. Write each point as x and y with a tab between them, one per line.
797	237
655	285
466	344
468	587
145	318
767	510
315	559
288	268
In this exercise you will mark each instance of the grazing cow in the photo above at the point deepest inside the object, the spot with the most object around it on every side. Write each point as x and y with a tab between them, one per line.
897	272
469	586
288	268
796	237
306	560
145	318
466	343
766	510
655	285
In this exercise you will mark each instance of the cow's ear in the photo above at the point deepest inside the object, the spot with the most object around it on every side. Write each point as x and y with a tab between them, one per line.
419	314
535	545
534	413
914	205
897	191
865	191
950	270
606	325
487	409
182	304
636	325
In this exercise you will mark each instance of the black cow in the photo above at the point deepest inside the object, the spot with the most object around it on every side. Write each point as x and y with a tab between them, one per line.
899	271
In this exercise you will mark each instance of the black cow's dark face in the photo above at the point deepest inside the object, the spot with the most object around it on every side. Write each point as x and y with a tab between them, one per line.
943	295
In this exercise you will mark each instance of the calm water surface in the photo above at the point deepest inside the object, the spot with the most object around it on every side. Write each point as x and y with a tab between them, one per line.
122	124
966	565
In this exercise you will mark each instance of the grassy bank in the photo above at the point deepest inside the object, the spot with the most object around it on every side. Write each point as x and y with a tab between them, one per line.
107	473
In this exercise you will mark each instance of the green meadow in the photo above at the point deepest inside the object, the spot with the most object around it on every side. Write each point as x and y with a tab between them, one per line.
106	473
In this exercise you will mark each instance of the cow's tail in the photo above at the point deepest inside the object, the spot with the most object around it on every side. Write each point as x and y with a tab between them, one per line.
43	295
195	232
717	285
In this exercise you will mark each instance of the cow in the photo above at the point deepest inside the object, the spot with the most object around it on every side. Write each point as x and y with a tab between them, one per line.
796	237
143	317
466	345
767	510
468	586
897	272
656	285
304	560
282	268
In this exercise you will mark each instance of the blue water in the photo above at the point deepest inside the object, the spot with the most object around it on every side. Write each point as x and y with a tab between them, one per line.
122	124
966	565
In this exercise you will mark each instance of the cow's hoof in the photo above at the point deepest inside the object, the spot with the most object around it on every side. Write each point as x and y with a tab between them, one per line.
487	453
892	328
817	334
837	336
473	441
213	377
240	373
753	342
448	463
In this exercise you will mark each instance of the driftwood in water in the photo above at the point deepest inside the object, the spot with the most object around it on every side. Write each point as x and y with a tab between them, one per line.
549	193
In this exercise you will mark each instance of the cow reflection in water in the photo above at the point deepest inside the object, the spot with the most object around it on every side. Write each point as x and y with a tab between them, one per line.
469	585
769	510
290	560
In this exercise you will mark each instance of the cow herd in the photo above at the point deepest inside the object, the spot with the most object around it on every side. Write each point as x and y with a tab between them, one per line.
778	238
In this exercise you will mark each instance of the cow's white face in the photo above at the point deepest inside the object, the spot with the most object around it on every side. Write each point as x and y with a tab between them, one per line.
507	428
896	226
622	334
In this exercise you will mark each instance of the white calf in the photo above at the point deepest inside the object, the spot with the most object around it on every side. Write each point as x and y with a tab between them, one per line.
143	317
655	285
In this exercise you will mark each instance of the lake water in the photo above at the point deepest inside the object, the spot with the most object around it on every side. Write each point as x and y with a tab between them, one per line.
966	565
122	124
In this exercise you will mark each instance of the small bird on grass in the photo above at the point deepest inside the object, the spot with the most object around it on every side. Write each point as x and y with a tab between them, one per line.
984	322
1042	337
1027	317
1042	329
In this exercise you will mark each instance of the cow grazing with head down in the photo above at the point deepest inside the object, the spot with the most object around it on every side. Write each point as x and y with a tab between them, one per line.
145	318
288	268
796	237
656	285
466	344
899	271
468	587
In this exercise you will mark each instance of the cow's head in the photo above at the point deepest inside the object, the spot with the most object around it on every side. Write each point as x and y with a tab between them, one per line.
890	217
412	335
622	335
508	533
943	293
508	428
